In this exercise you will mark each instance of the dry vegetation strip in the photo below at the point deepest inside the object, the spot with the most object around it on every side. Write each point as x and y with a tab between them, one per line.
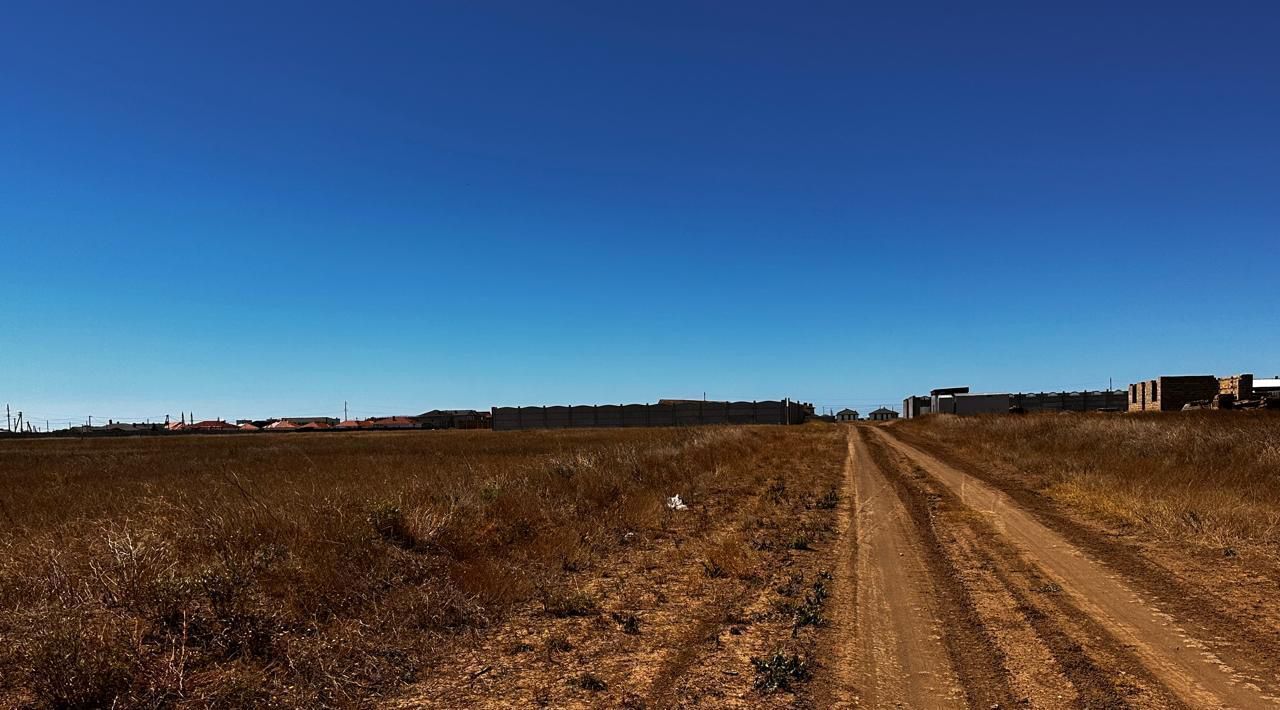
337	570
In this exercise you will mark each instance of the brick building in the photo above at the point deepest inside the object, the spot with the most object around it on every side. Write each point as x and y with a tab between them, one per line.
1169	394
1239	387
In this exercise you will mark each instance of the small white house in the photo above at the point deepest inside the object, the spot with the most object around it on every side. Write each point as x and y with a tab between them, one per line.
882	414
847	415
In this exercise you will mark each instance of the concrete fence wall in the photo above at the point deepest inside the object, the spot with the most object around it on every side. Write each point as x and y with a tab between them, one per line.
639	415
1071	401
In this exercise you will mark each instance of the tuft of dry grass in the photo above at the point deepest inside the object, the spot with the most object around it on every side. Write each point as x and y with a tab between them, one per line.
308	571
1205	478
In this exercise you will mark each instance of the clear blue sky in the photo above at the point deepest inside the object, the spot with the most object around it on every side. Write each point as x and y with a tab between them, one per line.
251	209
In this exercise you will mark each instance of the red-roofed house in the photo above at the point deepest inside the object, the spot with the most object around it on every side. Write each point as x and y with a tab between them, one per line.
393	423
212	425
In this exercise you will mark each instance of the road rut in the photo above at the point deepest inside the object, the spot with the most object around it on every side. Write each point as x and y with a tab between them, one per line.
1171	655
902	656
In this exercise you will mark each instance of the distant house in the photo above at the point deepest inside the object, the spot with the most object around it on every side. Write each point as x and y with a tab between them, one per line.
311	420
315	426
282	425
122	426
211	425
847	415
393	423
351	424
114	427
249	426
882	414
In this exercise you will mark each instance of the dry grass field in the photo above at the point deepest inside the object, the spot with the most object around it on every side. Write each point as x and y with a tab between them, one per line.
1035	561
1209	479
344	569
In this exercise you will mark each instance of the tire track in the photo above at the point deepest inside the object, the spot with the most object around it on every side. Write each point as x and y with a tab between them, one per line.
903	658
1171	656
907	634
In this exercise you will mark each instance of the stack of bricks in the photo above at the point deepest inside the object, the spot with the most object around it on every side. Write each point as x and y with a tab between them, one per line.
1240	387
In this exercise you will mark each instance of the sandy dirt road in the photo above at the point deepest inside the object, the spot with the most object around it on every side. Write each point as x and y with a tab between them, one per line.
892	653
1097	628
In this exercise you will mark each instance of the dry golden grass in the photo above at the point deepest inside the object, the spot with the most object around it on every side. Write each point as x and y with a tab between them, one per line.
1204	478
305	571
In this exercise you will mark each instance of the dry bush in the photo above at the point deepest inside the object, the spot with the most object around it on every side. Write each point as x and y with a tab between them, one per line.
308	571
1209	478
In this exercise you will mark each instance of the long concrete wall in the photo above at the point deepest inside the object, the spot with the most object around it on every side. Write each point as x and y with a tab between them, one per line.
639	415
969	404
1071	401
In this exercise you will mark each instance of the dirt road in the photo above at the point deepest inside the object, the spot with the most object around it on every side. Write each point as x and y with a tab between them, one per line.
956	595
893	654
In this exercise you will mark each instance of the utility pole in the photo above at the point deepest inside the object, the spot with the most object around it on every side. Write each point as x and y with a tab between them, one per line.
8	425
344	411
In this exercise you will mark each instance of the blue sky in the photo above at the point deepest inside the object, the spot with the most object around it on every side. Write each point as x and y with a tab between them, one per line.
255	209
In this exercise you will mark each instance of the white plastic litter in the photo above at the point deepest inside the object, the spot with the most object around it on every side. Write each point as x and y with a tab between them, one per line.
674	503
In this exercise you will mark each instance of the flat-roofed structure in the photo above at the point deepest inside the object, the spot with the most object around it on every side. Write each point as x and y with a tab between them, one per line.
1267	387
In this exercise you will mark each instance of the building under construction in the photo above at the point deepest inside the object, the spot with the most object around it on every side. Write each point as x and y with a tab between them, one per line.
1175	393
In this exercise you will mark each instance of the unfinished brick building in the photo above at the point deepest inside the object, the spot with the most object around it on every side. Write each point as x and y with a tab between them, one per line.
1168	394
1238	387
